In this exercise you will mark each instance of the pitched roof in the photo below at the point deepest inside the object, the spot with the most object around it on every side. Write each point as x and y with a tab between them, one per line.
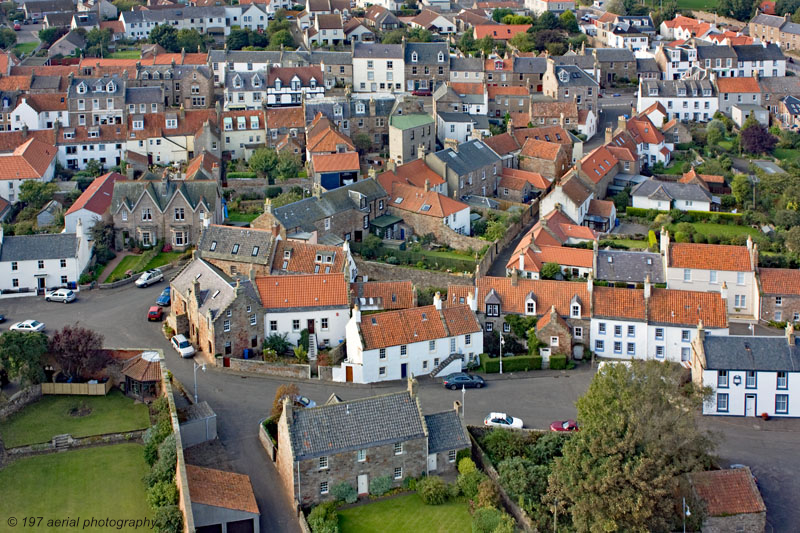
546	293
671	190
534	259
216	290
709	257
728	492
502	144
644	131
550	316
597	163
38	246
446	432
555	134
97	197
418	324
613	302
285	117
497	90
416	173
250	245
541	149
335	162
738	85
218	488
470	156
751	353
305	74
780	280
386	294
142	369
303	291
514	178
203	161
428	203
307	258
30	160
687	308
629	266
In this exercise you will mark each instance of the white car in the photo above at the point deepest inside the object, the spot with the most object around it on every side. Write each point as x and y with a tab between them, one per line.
61	295
149	277
27	326
182	346
502	420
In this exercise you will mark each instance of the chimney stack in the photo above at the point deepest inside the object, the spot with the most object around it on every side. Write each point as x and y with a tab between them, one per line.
521	261
268	206
252	274
437	300
457	408
790	338
723	291
412	386
648	287
514	277
356	314
427	184
275	229
472	301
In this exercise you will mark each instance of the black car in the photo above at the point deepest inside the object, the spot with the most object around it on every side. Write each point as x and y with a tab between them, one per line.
462	379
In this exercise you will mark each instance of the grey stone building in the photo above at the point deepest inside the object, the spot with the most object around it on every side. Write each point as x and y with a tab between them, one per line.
141	100
407	133
567	83
731	500
780	294
615	64
238	251
189	85
356	114
358	441
469	168
427	66
93	101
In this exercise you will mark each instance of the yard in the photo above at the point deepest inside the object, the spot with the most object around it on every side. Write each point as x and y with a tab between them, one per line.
405	513
53	415
127	263
236	216
162	259
786	155
707	228
630	244
26	48
125	54
96	482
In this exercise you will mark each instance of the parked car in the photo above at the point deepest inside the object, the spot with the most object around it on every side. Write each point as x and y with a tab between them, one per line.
155	313
61	295
2	318
462	379
149	277
17	26
421	92
502	420
163	299
27	326
304	401
564	425
182	346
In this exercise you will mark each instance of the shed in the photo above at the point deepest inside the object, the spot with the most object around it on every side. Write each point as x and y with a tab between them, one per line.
142	375
732	500
222	501
48	215
198	424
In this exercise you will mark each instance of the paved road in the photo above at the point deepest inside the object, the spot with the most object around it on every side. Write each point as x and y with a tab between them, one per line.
28	34
498	267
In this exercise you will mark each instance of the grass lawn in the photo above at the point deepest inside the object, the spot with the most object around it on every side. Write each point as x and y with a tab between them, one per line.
235	216
675	169
786	154
162	259
728	145
125	54
707	228
404	514
40	421
447	255
102	482
26	48
126	264
630	243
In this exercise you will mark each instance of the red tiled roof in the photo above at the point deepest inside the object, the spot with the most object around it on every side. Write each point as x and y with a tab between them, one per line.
554	109
612	302
303	258
491	64
546	292
738	85
534	260
325	139
47	102
30	160
97	197
335	162
602	208
414	199
204	160
15	83
392	294
644	131
425	18
502	144
292	291
140	369
116	26
598	163
286	74
534	178
416	172
218	488
155	124
285	117
496	90
728	492
541	149
555	134
418	324
687	308
499	32
550	316
621	153
467	88
780	280
709	257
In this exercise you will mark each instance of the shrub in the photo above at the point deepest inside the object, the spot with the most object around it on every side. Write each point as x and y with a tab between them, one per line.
558	362
652	240
466	465
273	192
344	491
164	467
468	483
433	490
161	494
491	520
410	483
278	342
168	519
380	485
547	447
518	363
682	237
324	519
153	438
502	443
241	175
488	495
463	454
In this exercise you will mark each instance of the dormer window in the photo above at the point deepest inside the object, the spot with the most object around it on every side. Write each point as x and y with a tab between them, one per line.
278	84
256	81
227	123
156	75
241	123
167	75
440	57
414	57
138	124
172	123
254	122
295	85
337	110
81	88
237	82
145	75
69	134
313	83
93	134
492	309
530	307
653	91
575	311
563	76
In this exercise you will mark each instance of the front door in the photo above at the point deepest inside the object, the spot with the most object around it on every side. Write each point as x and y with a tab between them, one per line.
403	370
348	372
40	283
750	405
310	326
432	462
363	485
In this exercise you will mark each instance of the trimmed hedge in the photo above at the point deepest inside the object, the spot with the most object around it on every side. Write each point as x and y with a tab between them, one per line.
687	216
517	363
652	240
558	362
241	175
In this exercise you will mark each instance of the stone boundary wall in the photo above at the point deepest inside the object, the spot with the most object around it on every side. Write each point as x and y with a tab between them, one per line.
423	224
512	233
272	369
72	443
266	441
20	400
421	279
166	269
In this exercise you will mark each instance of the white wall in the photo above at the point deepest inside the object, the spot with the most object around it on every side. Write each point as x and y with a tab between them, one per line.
639	338
108	154
700	280
335	333
459	221
28	272
765	391
673	341
644	202
460	131
557	196
9	189
380	75
87	218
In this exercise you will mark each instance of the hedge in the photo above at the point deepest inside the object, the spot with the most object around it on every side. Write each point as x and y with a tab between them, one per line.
687	216
558	362
241	175
651	239
517	363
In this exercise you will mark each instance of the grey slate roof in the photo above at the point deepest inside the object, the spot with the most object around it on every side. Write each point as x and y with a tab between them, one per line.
480	122
577	77
144	95
172	14
85	19
585	61
246	79
715	51
380	51
195	192
768	20
629	266
472	155
792	105
647	64
670	190
466	64
244	56
606	55
217	290
670	87
93	84
325	105
764	353
445	432
355	425
530	65
223	238
756	52
427	53
39	246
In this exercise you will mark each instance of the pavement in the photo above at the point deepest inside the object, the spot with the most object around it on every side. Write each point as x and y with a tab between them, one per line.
242	400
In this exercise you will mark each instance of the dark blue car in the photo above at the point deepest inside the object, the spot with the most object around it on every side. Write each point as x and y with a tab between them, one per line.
163	299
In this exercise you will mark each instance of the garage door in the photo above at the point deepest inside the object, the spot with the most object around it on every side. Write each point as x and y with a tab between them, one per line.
241	526
216	528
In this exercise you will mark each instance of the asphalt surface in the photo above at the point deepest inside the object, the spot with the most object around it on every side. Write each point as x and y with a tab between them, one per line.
242	401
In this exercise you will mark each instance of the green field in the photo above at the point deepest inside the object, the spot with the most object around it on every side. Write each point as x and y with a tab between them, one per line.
127	263
405	514
707	228
125	54
162	259
41	421
235	216
102	482
26	48
786	154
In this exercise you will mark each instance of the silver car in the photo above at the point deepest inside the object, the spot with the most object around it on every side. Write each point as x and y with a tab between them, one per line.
28	326
182	346
61	295
149	277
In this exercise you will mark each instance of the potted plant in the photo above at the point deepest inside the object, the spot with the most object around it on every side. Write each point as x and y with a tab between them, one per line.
764	416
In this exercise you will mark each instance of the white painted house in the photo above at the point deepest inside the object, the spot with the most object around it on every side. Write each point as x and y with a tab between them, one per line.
667	195
40	112
378	67
32	160
691	100
409	342
92	204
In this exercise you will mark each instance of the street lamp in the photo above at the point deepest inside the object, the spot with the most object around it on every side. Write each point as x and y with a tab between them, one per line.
203	368
463	394
686	513
502	342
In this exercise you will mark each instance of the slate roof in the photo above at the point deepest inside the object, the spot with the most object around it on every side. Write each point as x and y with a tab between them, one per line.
670	190
144	95
632	267
577	77
669	88
445	432
38	246
427	53
792	105
376	50
764	353
355	425
466	64
470	156
218	488
161	192
249	240
614	54
217	290
757	52
647	64
530	65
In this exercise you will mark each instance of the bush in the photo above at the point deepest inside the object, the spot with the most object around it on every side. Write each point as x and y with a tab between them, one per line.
241	175
410	483
380	485
502	443
488	495
463	454
164	467
558	362
161	494
491	520
168	519
652	241
153	438
433	490
468	483
517	363
274	192
466	466
324	519
344	491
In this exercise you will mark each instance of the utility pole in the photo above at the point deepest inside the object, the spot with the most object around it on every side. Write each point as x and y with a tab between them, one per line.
502	342
463	397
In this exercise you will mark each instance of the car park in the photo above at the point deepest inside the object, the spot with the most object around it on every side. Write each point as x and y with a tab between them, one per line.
28	326
564	425
155	313
61	295
164	298
462	379
182	345
502	420
149	277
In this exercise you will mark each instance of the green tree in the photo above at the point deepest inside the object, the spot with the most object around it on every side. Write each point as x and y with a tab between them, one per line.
568	22
546	21
616	6
638	436
517	19
523	42
281	38
742	189
237	39
36	193
523	478
166	36
393	37
98	41
486	44
466	43
50	35
419	35
792	239
287	167
8	38
189	40
263	161
738	9
550	271
499	14
21	355
362	142
495	230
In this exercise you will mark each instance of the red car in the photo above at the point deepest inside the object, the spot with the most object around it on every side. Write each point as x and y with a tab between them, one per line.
155	313
564	425
422	92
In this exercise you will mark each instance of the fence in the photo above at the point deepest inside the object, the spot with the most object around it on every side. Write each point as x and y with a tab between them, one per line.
77	389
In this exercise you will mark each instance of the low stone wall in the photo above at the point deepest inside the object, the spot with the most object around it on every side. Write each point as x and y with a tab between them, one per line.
325	373
272	369
20	400
70	443
422	279
166	270
423	225
266	442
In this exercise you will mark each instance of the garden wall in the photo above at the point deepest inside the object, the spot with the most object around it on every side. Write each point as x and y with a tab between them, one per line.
511	234
266	441
70	442
424	224
77	389
21	400
422	279
166	269
272	369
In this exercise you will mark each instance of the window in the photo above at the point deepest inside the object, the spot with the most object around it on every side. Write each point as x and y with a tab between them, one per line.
382	353
179	213
15	282
712	276
451	456
601	328
398	448
431	345
63	280
554	341
686	335
235	249
403	349
599	346
617	347
575	311
273	325
781	404
382	371
722	379
631	331
740	300
41	264
226	325
295	325
722	402
618	331
398	473
146	214
577	333
530	308
323	462
506	327
324	324
328	223
14	265
660	352
124	216
489	327
750	379
659	334
778	301
631	348
253	320
213	245
783	381
778	316
492	309
255	251
740	278
323	487
687	274
685	353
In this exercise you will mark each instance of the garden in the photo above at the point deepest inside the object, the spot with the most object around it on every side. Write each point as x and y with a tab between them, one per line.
140	260
422	254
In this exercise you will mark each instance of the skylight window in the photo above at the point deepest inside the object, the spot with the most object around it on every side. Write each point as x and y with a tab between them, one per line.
213	245
235	249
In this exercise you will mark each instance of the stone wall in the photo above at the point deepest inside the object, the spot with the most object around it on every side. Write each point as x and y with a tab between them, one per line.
423	225
20	400
70	442
266	442
789	306
528	216
421	279
749	523
272	369
556	329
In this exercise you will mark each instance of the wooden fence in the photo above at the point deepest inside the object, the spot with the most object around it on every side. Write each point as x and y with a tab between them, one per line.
77	389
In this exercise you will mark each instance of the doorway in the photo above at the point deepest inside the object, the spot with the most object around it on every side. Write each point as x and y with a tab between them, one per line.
40	283
348	372
363	484
310	326
403	370
750	405
432	462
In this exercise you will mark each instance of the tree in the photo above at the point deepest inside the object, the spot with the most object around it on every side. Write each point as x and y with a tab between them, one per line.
495	230
486	44
569	22
8	38
550	271
263	161
98	41
287	390
523	478
36	193
738	9
499	14
542	39
419	35
77	350
517	20
51	35
237	39
466	43
166	36
288	166
362	142
638	436
616	7
756	139
393	37
281	38
546	21
189	40
622	199
523	42
21	355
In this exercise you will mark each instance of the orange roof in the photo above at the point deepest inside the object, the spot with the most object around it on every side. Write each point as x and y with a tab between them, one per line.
15	83
499	32
47	102
658	106
97	197
496	90
335	162
679	20
491	64
10	140
285	117
467	88
541	149
780	280
115	26
155	123
767	7
218	488
621	153
420	201
687	308
612	302
502	144
738	85
602	208
598	163
140	369
554	109
728	492
418	324
548	317
392	294
555	134
326	139
708	178
29	161
297	291
534	178
644	131
204	160
709	257
534	260
547	293
308	258
416	172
